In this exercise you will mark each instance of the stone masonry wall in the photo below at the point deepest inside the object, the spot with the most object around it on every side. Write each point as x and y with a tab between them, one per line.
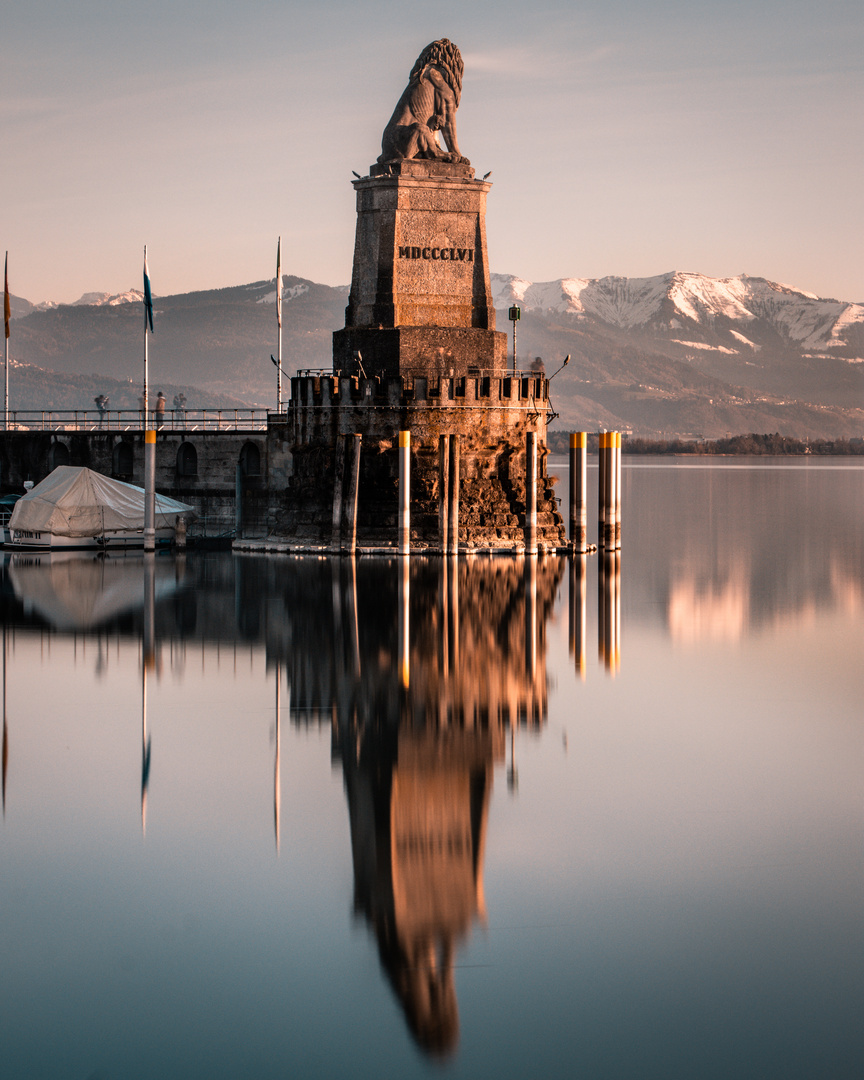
492	416
197	467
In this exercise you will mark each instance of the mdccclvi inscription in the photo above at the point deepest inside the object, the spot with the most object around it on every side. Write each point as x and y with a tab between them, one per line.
442	254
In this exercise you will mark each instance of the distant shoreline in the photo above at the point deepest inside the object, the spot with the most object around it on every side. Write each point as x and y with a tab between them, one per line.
751	445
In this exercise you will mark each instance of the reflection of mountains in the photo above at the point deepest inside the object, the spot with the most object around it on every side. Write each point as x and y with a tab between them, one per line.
751	545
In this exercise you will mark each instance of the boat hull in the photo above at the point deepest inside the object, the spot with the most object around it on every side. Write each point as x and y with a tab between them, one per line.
29	540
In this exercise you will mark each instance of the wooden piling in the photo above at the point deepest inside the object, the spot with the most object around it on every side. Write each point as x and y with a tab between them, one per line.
609	530
349	540
609	480
404	526
601	486
338	493
578	490
531	493
453	496
444	492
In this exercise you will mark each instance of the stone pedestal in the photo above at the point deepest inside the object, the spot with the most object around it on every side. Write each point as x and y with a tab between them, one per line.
420	302
420	354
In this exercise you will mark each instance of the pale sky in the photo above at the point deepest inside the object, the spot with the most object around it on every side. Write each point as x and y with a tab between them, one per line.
627	137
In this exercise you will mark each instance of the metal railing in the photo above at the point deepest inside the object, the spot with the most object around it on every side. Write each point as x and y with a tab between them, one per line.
133	420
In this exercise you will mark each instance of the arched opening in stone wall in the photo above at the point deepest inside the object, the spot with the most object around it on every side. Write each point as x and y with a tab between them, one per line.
123	463
250	459
58	454
251	498
187	460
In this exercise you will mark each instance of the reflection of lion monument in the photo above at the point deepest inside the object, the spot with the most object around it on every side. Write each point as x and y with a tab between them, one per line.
428	105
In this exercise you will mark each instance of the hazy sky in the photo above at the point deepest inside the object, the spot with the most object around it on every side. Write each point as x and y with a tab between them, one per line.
626	137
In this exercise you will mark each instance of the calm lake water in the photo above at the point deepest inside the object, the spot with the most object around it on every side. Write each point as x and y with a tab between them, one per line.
269	817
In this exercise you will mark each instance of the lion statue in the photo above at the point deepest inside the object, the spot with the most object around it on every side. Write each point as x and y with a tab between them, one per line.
428	105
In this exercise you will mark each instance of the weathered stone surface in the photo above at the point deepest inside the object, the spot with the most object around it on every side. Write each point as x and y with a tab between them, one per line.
492	430
420	352
420	255
428	104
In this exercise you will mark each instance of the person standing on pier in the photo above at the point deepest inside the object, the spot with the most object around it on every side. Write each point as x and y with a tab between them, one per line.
160	410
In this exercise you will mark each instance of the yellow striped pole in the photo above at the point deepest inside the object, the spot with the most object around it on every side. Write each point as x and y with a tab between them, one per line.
444	492
149	490
618	490
531	493
453	496
578	490
404	536
602	486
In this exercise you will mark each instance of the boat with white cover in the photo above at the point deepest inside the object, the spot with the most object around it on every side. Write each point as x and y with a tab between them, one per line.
75	507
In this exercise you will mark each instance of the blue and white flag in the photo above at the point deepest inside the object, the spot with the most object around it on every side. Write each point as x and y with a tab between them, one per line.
148	299
279	283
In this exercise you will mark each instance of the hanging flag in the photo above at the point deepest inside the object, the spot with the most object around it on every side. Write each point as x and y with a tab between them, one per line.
7	309
279	283
148	299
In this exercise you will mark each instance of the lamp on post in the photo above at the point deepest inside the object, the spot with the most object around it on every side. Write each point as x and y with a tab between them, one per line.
514	315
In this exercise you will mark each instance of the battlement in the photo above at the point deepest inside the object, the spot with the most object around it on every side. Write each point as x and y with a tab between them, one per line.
477	389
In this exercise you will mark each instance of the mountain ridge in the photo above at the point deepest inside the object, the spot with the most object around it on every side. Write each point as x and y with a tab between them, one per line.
674	353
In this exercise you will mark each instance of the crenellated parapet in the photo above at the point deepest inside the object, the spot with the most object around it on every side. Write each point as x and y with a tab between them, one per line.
523	391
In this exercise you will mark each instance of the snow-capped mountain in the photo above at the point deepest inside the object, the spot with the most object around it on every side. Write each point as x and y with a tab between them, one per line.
741	309
91	299
679	352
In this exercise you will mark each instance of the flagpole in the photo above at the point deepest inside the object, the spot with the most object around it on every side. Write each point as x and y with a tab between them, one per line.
149	436
279	324
6	316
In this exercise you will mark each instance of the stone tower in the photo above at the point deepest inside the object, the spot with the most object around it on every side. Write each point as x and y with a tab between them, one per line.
419	353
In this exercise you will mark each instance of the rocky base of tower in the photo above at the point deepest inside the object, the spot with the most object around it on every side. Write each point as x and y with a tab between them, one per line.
492	435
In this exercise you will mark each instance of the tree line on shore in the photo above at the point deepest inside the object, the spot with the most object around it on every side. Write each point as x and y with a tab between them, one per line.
752	444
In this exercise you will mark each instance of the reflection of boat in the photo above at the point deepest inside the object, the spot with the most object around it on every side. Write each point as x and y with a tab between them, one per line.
75	507
78	590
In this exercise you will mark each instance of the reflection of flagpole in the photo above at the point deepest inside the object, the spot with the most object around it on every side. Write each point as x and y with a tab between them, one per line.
5	731
148	653
277	786
145	752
